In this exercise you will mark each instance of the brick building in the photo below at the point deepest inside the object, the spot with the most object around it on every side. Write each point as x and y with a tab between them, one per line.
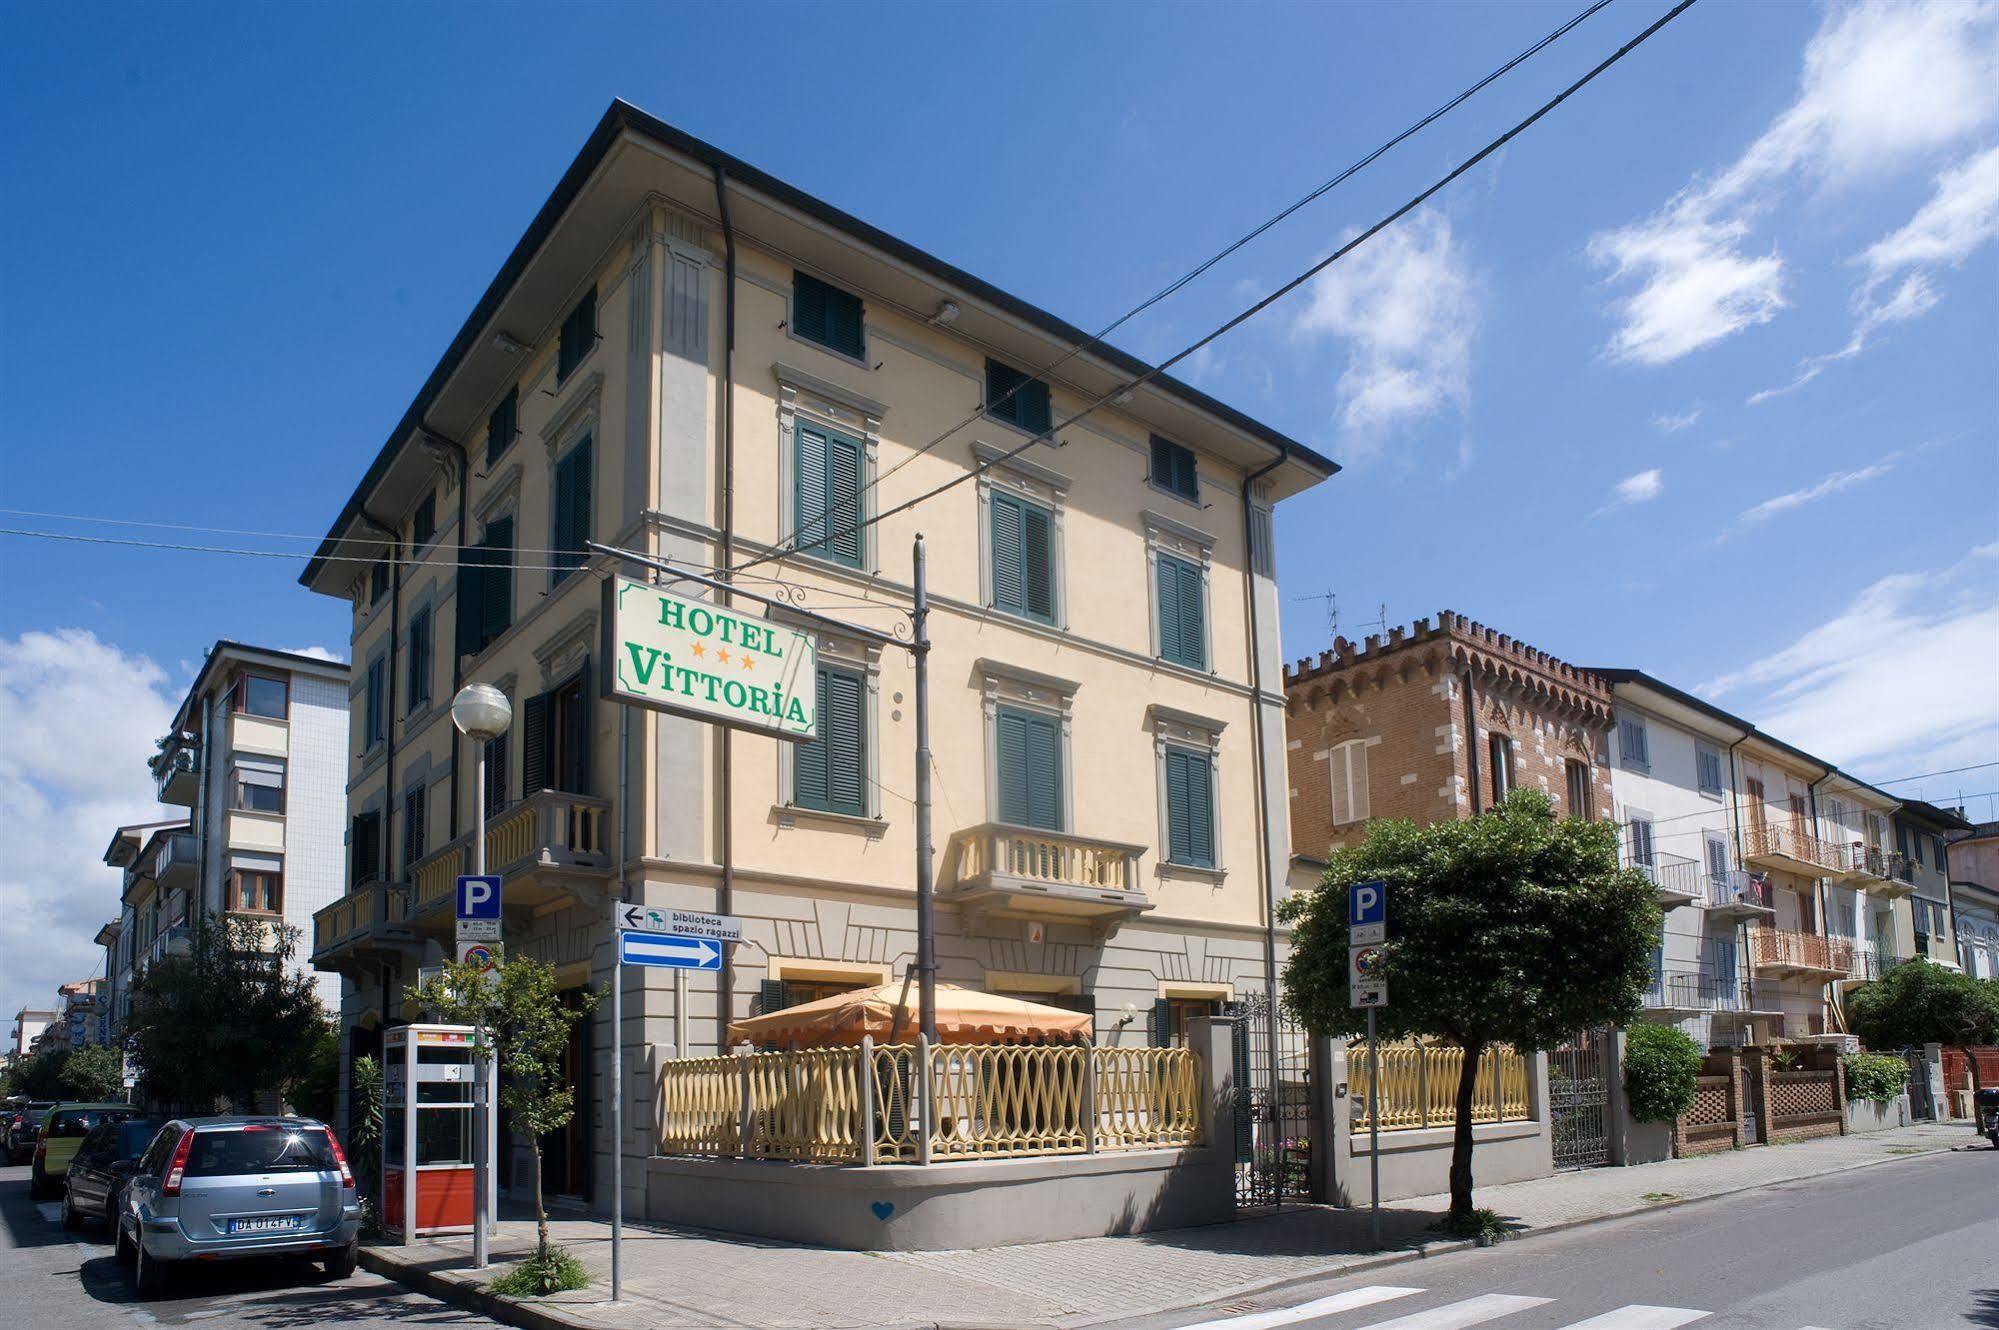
1388	729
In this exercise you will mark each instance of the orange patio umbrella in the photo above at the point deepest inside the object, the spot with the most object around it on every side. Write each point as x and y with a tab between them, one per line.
888	1013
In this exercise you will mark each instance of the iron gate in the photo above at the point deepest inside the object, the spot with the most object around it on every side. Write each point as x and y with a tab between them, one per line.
1273	1106
1922	1104
1578	1095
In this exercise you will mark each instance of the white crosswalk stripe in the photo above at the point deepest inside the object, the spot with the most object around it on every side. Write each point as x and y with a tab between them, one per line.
1638	1316
1350	1300
1457	1315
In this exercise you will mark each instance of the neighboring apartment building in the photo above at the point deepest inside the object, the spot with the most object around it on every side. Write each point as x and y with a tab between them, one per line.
29	1023
1794	888
83	1017
1922	838
1973	864
688	357
258	755
159	872
1438	722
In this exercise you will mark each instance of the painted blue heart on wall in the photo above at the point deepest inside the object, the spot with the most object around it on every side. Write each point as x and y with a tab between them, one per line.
883	1209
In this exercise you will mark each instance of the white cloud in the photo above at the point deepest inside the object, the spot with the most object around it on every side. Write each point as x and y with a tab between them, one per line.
1961	216
1906	672
1832	484
317	653
1883	86
1405	305
1669	423
1914	298
80	717
1641	488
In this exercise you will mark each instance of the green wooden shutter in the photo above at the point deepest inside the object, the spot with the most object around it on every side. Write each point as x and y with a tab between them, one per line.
846	755
577	736
468	610
1190	822
770	996
1037	556
1008	579
1044	773
809	493
809	759
1010	738
808	307
1033	414
572	509
1167	575
496	581
1159	1023
843	500
534	745
1182	613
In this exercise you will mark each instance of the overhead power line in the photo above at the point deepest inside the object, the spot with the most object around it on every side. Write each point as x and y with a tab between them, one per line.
788	541
1254	309
1952	771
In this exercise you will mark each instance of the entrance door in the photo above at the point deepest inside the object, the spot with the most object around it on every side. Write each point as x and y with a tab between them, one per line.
1578	1097
1273	1105
1922	1105
566	1152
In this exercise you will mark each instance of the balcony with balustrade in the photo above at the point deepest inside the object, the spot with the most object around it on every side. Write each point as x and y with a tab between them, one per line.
1871	869
1737	896
176	860
1873	959
999	870
1786	847
176	769
366	928
1679	991
550	849
1675	878
1783	954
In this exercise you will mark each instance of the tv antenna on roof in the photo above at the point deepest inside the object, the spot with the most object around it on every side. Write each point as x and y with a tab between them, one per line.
1332	611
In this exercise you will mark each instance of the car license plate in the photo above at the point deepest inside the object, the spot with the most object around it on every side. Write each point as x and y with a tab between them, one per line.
267	1224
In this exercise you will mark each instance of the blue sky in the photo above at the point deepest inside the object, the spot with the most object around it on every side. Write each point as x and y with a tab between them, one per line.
249	231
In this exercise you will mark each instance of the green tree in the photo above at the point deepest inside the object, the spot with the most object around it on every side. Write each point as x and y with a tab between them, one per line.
1923	1003
1514	927
40	1077
1661	1066
529	1027
229	1021
95	1074
364	1122
317	1091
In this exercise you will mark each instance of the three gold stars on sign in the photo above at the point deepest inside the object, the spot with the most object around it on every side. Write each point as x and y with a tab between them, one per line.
722	656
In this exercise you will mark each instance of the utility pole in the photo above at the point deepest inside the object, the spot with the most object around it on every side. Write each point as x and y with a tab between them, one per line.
926	931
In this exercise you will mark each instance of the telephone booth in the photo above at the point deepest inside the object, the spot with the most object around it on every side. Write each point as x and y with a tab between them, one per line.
432	1133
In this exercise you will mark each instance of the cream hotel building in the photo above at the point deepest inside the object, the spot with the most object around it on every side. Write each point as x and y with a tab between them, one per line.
687	357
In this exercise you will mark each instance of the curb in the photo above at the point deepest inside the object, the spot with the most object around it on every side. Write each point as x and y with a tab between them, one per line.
453	1286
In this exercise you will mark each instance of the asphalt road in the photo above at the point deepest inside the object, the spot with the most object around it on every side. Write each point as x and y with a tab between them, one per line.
52	1280
1910	1245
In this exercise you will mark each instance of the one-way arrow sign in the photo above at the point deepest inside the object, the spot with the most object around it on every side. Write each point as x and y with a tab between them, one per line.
670	950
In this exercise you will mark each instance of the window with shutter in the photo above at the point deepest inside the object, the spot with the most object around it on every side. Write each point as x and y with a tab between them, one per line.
423	524
1707	765
417	692
496	581
374	723
1715	847
825	314
1183	635
535	771
1173	469
1016	398
1631	742
1577	774
364	846
1023	556
572	510
496	774
830	772
378	581
1030	769
1499	754
579	335
827	494
414	830
1351	801
503	425
1638	837
1190	814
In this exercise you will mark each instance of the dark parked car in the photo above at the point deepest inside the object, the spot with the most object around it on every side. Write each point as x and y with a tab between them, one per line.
228	1188
104	1163
24	1128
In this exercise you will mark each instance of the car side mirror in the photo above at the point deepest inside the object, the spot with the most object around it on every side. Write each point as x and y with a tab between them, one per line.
124	1166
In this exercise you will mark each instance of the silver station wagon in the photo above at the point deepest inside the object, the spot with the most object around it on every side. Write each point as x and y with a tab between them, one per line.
229	1188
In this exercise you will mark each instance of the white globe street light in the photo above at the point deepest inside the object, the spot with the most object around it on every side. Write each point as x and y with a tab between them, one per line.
481	711
482	714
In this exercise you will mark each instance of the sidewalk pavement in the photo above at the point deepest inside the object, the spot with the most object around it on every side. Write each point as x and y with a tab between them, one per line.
681	1279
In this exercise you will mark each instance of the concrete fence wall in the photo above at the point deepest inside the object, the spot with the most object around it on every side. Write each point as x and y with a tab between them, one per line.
1416	1162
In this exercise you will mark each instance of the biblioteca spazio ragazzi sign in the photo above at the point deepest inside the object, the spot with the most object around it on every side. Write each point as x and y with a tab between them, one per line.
698	659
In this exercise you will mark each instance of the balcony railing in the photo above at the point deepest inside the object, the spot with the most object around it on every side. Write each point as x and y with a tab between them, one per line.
551	840
1737	892
997	865
1677	878
1694	988
176	771
1784	952
175	863
174	940
1784	845
1873	869
372	917
1873	960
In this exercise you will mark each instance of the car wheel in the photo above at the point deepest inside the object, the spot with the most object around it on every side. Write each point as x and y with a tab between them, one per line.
71	1220
149	1277
119	1242
341	1263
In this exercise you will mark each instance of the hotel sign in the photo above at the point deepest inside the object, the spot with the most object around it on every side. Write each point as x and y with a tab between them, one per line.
694	658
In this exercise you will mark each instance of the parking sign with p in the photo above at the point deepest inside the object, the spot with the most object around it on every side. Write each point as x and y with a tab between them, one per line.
479	897
1367	913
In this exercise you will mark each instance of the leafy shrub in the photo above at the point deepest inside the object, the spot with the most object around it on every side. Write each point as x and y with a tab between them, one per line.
549	1270
1877	1077
1660	1064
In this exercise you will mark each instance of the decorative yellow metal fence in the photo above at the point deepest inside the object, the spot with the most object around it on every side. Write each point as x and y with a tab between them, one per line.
913	1103
1419	1085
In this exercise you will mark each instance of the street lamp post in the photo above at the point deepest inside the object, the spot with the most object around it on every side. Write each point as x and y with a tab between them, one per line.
482	714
